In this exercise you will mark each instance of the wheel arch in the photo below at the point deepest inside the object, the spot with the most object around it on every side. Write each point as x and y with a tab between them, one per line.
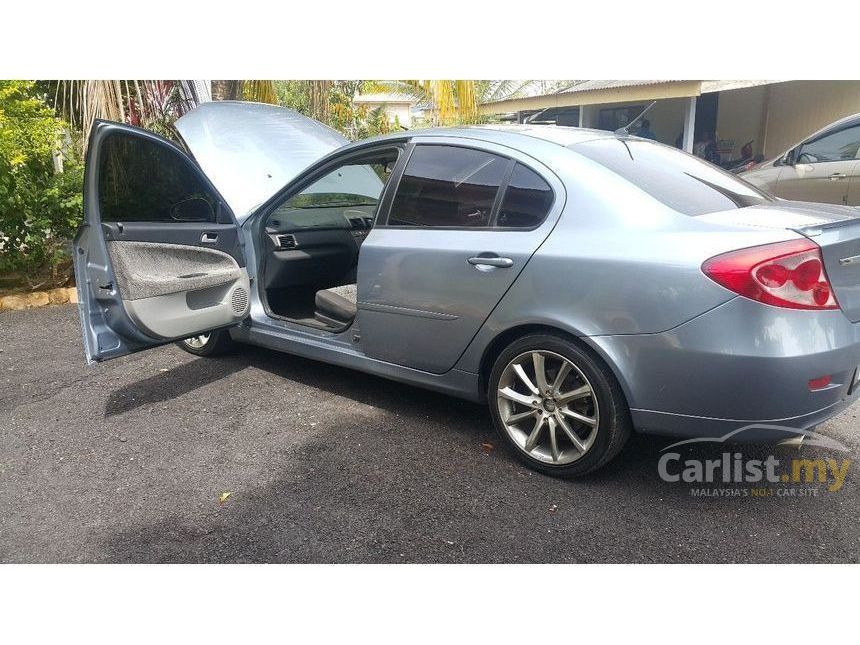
497	345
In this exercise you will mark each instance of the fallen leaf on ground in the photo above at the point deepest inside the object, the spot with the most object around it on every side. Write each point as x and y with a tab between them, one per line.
553	508
223	497
488	447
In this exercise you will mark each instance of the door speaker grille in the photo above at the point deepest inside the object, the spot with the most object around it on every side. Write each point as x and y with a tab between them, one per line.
239	301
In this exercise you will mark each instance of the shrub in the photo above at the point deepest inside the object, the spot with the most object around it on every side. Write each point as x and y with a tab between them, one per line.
39	207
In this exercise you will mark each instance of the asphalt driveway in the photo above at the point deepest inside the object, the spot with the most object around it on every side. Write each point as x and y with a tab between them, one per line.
125	461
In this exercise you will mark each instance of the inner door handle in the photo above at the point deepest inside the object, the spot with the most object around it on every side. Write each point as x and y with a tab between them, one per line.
838	175
493	261
209	238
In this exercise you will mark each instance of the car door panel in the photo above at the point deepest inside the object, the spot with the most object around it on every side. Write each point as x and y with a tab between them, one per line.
420	301
173	290
220	237
818	182
424	292
822	166
149	269
853	197
151	280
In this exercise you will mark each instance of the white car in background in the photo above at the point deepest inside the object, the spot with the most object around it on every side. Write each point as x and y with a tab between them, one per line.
825	167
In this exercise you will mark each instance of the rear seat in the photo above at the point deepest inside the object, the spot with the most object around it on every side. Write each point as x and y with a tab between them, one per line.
336	306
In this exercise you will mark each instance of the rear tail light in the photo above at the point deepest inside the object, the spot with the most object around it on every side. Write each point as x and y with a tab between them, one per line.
785	274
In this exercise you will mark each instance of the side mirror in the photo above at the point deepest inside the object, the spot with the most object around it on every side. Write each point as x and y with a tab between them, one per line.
194	209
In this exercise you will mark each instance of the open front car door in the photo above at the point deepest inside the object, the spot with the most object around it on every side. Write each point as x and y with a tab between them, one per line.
158	256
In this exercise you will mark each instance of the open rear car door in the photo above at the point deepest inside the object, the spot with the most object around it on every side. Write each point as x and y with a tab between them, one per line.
158	256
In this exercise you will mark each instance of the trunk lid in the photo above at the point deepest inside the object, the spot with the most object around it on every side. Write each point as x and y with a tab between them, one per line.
840	247
250	151
836	229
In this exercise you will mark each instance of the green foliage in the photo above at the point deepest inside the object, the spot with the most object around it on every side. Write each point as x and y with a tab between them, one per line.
294	95
354	122
39	208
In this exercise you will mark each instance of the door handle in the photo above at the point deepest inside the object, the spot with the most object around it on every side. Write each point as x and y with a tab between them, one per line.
838	175
209	238
494	261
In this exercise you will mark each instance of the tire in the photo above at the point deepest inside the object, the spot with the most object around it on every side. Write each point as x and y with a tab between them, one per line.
598	401
217	342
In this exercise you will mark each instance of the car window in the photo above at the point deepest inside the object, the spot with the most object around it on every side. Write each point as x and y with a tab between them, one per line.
837	146
685	183
448	186
348	191
527	200
141	180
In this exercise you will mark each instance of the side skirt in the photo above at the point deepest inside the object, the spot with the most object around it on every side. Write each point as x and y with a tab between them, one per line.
463	385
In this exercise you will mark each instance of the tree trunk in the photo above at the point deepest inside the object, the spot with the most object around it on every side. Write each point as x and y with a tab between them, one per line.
226	90
318	100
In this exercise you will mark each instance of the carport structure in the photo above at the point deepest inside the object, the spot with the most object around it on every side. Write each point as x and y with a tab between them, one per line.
684	109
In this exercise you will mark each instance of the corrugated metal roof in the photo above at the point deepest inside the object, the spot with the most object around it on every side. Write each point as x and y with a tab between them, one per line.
582	87
720	86
592	92
707	86
591	86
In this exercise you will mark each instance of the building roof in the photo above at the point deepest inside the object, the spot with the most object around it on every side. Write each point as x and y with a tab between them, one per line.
720	86
590	86
595	92
706	86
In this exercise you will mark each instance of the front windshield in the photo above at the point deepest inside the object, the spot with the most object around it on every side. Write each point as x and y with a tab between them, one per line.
685	183
350	185
328	200
351	191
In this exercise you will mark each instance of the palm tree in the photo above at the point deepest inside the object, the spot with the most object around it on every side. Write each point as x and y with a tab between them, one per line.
318	100
151	104
454	101
226	90
449	100
257	90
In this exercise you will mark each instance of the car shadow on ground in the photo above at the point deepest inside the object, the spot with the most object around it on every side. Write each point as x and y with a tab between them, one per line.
426	480
171	383
340	381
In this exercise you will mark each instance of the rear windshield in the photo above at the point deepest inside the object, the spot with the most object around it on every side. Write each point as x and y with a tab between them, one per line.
687	184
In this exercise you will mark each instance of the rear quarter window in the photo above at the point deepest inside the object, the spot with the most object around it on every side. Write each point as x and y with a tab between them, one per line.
682	182
527	200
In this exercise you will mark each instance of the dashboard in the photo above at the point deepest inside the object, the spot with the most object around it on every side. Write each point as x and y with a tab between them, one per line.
315	245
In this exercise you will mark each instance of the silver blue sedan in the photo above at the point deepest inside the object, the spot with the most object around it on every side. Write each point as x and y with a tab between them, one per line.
584	284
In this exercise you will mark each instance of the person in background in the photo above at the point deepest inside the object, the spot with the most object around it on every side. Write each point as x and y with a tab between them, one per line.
709	148
645	130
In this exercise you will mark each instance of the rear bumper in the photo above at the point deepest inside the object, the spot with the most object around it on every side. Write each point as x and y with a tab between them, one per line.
741	363
680	425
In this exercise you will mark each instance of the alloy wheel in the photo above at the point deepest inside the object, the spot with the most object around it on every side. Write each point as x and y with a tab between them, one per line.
548	407
197	342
